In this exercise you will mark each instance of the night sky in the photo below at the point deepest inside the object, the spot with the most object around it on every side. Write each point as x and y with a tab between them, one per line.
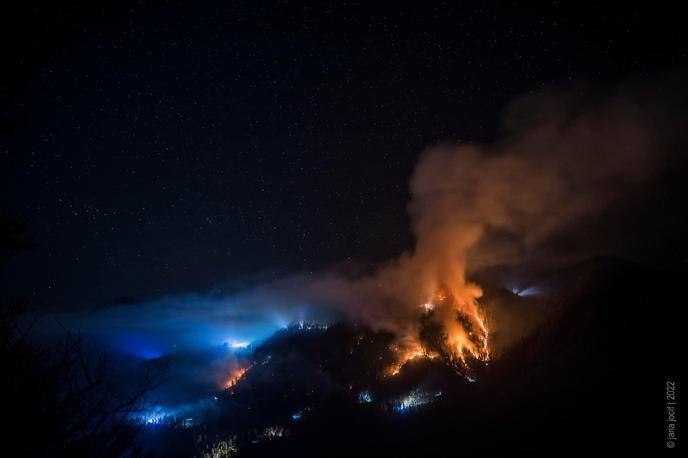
161	150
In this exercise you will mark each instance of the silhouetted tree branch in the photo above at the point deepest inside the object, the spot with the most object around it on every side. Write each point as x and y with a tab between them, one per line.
66	399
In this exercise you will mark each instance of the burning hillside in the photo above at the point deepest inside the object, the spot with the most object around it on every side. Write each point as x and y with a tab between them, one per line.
309	385
323	383
449	332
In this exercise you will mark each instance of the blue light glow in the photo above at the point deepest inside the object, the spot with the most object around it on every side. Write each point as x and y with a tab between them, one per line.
140	345
154	416
364	397
239	344
415	399
527	292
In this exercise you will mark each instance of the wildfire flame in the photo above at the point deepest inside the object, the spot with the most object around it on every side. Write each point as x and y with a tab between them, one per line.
235	376
465	328
408	356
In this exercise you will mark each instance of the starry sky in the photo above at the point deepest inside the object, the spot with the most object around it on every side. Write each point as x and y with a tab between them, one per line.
159	150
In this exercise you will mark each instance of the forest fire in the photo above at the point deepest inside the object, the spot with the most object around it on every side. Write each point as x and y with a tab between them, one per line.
408	356
453	330
235	376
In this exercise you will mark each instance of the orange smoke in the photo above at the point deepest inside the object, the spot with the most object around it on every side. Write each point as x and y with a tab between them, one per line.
563	165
